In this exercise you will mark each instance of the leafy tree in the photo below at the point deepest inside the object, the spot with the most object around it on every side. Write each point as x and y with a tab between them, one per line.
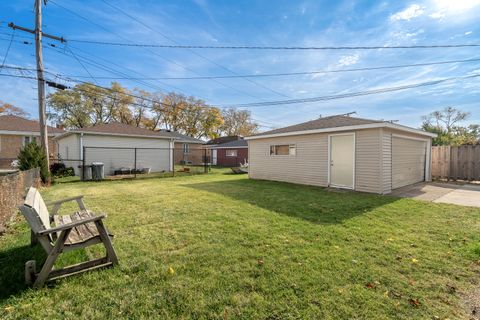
10	109
238	122
445	124
85	105
33	156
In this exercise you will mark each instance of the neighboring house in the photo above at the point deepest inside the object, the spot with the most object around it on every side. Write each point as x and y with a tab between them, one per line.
188	150
114	145
345	152
230	154
16	132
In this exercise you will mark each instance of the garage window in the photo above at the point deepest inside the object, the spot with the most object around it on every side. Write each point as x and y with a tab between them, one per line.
231	153
283	150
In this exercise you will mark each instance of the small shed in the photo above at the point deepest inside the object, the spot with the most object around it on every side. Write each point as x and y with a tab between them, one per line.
342	151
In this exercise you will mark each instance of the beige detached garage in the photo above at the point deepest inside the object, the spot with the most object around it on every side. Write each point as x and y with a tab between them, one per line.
344	152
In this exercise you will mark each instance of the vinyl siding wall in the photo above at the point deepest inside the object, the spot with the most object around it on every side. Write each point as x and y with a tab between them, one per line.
155	159
310	164
368	167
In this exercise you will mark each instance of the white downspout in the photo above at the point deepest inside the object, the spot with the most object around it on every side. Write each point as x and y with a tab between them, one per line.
171	150
81	146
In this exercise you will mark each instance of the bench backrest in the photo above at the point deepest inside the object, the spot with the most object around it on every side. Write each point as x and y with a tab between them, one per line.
35	211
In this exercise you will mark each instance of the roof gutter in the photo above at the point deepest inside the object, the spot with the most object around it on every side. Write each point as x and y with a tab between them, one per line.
345	128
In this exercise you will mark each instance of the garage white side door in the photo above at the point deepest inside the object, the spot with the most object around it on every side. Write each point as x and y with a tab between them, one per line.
408	161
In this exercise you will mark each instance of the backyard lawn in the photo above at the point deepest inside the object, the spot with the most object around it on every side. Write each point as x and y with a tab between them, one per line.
223	246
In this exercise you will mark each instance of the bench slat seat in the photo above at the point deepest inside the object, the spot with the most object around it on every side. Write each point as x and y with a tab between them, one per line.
79	234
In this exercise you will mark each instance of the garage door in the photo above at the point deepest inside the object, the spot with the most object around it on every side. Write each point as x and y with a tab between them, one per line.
408	161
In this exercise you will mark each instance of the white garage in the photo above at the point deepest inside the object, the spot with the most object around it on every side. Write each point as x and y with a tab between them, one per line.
409	156
118	146
342	152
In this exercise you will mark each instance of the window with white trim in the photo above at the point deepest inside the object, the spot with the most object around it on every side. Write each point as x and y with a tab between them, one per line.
231	153
28	139
186	148
283	150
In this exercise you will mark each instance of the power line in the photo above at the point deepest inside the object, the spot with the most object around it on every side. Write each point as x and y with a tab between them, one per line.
192	51
353	94
8	49
283	102
153	45
294	73
153	52
83	66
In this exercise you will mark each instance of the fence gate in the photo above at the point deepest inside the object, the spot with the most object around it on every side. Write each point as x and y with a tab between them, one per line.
456	163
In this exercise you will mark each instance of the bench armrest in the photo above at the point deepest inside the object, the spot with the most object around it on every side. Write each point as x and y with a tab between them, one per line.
64	200
58	203
71	225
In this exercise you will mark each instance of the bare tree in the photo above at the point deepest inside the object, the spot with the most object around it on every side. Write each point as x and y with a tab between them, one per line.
446	118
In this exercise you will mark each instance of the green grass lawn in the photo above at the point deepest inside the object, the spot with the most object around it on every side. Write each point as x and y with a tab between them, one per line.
244	249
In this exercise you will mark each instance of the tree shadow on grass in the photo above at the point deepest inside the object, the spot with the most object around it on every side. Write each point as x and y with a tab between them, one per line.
314	204
12	268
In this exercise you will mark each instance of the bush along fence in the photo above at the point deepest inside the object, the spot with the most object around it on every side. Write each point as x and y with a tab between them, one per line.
456	163
125	162
12	191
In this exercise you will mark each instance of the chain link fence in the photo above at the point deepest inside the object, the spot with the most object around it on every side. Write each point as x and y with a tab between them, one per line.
125	162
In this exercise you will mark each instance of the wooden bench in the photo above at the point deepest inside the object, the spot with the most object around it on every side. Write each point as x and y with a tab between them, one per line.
76	231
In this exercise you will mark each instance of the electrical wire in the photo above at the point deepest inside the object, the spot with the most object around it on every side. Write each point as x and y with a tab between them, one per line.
8	49
192	51
352	94
291	73
152	45
153	52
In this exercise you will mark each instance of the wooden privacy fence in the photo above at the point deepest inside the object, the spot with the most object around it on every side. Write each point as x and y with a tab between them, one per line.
456	163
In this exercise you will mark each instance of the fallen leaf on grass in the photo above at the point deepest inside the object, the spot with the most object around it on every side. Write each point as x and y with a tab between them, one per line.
393	294
414	302
171	271
260	262
370	285
451	289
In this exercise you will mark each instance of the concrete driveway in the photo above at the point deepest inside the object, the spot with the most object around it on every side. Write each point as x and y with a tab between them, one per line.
461	194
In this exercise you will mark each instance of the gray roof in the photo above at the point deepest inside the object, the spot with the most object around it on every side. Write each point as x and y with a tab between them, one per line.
321	123
232	144
181	137
116	128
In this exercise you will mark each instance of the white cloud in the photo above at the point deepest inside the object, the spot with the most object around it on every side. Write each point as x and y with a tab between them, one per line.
468	32
451	7
409	13
348	60
437	15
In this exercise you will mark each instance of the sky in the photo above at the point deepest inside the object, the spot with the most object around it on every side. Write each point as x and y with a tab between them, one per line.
258	23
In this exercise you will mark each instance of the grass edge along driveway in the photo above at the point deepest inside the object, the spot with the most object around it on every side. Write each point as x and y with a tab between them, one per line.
223	246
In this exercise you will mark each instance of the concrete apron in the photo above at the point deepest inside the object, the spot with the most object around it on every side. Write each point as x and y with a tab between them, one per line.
464	195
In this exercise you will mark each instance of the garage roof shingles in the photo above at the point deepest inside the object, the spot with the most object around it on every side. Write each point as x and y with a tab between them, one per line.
322	123
117	128
16	123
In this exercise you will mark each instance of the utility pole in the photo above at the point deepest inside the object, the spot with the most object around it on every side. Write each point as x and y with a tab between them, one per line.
42	117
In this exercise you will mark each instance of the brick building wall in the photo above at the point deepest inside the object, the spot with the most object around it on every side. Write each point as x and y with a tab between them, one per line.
10	146
195	155
228	161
